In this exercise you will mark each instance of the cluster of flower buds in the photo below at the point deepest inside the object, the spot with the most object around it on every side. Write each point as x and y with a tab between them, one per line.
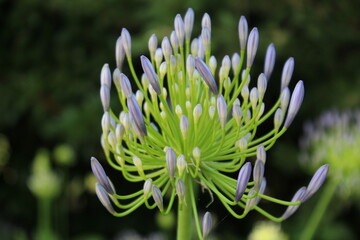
184	125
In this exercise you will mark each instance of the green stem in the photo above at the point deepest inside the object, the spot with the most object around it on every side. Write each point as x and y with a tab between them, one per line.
184	226
319	211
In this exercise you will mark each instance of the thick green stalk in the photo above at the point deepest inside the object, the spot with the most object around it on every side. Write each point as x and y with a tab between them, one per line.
319	211
184	225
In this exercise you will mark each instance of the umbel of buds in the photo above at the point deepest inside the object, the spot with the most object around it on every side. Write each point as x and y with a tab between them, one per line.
193	122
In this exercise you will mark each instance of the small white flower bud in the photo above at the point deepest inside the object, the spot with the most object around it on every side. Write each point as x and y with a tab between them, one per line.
295	103
178	111
152	44
212	64
242	144
105	76
166	48
179	29
261	84
126	40
163	115
197	112
147	186
254	97
119	132
189	22
278	119
162	70
119	53
269	60
105	97
170	162
235	62
158	198
139	97
243	32
196	154
222	110
287	73
252	46
245	93
285	98
194	46
184	126
190	65
206	39
180	190
125	85
181	164
261	153
150	73
206	21
105	123
207	224
158	57
237	114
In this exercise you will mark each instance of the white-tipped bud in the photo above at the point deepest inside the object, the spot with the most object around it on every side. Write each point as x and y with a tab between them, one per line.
205	73
278	119
116	79
316	181
158	198
139	97
242	181
188	106
184	126
178	111
196	154
269	60
174	42
212	112
206	21
237	114
162	70
206	39
150	74
212	64
189	22
105	97
254	97
194	46
181	164
112	140
285	98
138	163
252	46
245	93
261	153
147	186
190	65
261	84
252	202
235	63
222	110
166	48
261	111
237	102
105	76
258	174
125	85
179	29
126	40
201	51
180	190
163	115
119	132
136	115
104	198
101	176
243	77
226	65
152	44
119	53
295	103
171	162
299	195
158	57
207	224
144	82
287	73
248	116
105	122
197	112
147	109
243	32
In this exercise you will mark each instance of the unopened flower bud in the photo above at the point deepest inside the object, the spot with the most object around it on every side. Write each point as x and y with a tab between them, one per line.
104	198
243	32
105	97
316	181
278	119
242	181
252	46
188	22
299	195
235	62
269	60
295	103
207	224
181	164
206	21
237	114
252	202
197	112
147	186
150	73
261	153
261	85
285	98
179	29
222	110
206	75
119	53
212	112
171	162
180	190
212	64
100	175
125	85
184	126
166	48
152	44
126	40
258	174
174	42
158	198
105	76
287	73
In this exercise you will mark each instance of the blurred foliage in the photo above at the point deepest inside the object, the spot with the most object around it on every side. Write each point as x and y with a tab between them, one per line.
51	53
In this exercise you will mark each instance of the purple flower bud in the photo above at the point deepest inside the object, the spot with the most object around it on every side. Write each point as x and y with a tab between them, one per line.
152	44
105	76
243	32
237	113
316	181
299	195
105	97
252	46
287	73
261	85
174	42
136	115
100	175
189	22
180	189
126	40
150	74
261	153
243	179
171	162
235	62
295	103
285	98
222	110
207	224
206	38
125	85
179	29
119	53
166	48
184	126
258	173
269	61
205	73
104	198
158	198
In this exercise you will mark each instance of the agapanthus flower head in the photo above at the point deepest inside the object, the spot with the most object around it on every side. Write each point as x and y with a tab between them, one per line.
193	121
334	138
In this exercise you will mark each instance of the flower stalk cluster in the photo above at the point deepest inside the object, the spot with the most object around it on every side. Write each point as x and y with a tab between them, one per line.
192	121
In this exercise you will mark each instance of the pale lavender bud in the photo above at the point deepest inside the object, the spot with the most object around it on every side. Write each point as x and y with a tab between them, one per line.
299	195
181	164
162	70
184	126
138	163
116	79
248	116
119	53
295	103
158	198
278	118
226	65
247	81
150	74
194	46
126	40
245	93
243	32
139	97
190	65
174	42
179	29
207	224
237	102
237	113
119	132
242	181
144	82
261	85
261	153
147	186
269	60
222	110
235	62
252	46
196	154
197	112
212	112
242	144
285	98
178	111
287	73
105	76
112	140
105	97
105	122
125	85
166	48
201	51
173	64
180	189
252	202
206	22
104	198
254	97
189	22
100	175
158	57
258	173
316	181
170	162
152	44
261	111
212	64
206	75
206	39
136	115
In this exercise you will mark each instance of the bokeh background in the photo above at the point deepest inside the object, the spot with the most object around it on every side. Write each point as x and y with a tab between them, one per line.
51	54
